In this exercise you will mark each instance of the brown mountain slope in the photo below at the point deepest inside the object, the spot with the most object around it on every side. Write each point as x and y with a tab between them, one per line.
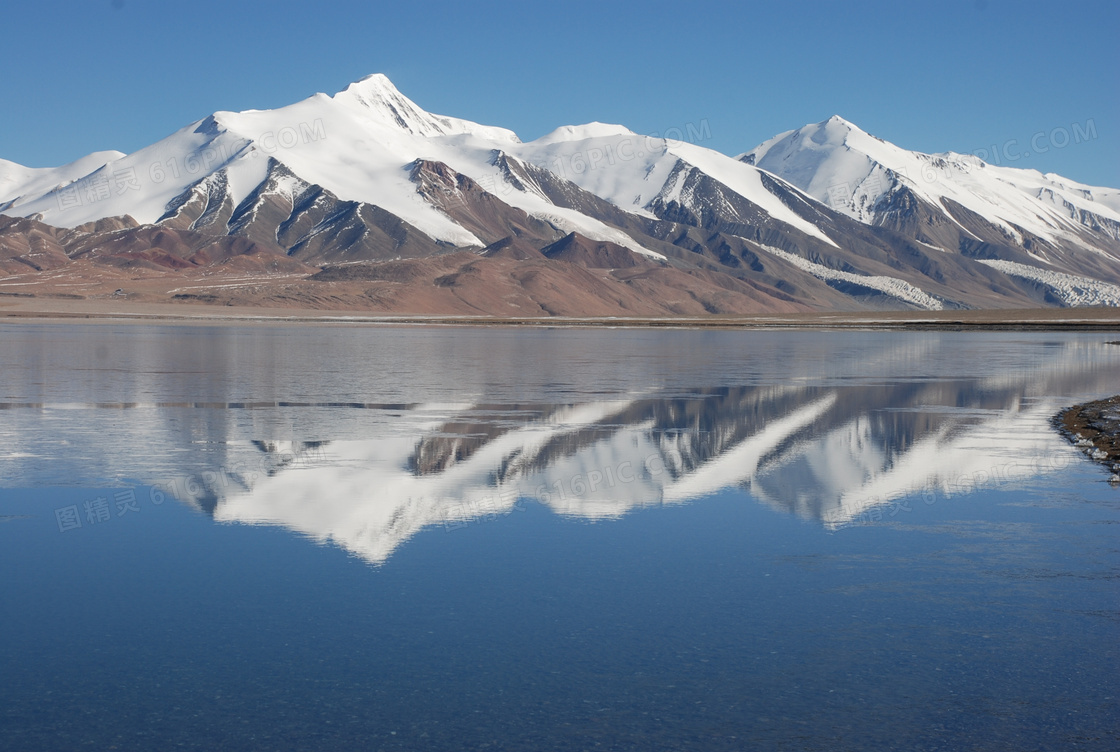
594	254
496	285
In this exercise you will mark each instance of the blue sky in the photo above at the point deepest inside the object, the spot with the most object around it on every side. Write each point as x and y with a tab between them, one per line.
962	76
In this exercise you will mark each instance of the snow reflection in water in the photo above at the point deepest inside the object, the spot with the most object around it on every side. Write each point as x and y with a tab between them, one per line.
860	441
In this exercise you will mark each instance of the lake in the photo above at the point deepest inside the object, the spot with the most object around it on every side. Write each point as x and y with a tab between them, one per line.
453	538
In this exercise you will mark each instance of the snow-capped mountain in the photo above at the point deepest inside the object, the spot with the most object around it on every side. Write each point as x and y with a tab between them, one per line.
955	202
366	175
361	145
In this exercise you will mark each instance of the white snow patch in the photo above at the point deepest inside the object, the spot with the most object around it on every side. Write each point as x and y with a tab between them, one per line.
1072	290
896	288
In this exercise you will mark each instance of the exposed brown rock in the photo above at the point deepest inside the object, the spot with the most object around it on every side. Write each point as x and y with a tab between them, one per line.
29	245
513	248
594	254
482	213
1094	427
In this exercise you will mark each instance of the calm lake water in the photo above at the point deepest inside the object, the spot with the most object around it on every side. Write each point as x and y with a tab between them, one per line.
424	538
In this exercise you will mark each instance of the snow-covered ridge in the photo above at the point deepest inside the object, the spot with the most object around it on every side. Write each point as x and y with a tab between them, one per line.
1070	289
583	132
851	171
633	172
17	181
896	288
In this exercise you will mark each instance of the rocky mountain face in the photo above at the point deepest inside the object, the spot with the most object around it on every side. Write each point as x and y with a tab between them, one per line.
443	215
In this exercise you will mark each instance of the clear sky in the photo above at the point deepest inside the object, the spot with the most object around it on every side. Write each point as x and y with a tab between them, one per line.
932	76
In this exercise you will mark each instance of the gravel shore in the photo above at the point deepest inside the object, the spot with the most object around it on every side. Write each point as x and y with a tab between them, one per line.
1094	428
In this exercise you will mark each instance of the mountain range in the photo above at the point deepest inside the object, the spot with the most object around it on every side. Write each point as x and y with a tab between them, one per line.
364	201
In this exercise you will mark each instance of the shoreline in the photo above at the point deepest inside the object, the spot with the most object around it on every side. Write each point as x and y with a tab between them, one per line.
38	310
1094	428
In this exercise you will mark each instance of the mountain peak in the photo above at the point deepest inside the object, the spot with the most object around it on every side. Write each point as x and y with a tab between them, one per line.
593	129
822	137
837	129
377	94
378	99
375	85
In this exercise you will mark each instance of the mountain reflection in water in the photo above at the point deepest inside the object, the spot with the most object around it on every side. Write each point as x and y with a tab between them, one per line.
829	455
832	448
